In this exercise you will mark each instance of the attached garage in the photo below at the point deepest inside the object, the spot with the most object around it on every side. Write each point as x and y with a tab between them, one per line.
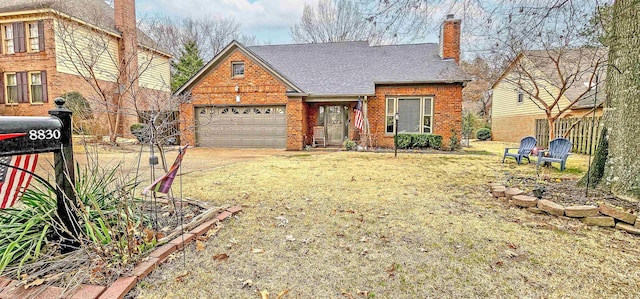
241	126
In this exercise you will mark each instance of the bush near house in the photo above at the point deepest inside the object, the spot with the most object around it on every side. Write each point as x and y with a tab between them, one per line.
419	141
483	134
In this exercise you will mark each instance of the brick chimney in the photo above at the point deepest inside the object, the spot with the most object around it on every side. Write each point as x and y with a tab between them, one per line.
125	22
450	39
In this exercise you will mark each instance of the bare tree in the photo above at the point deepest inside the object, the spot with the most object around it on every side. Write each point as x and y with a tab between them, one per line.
211	33
332	21
119	85
475	95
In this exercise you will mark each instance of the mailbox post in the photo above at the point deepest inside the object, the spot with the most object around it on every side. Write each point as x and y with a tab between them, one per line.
64	167
32	135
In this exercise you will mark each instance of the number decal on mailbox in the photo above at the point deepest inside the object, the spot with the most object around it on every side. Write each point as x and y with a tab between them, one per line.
44	134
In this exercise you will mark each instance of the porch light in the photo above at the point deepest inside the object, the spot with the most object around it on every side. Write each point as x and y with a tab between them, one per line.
237	88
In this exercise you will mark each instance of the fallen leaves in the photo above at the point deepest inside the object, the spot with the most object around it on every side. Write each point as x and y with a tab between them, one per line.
257	250
180	278
200	245
220	257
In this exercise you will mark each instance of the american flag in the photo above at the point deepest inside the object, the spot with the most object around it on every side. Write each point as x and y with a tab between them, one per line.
359	119
163	184
13	182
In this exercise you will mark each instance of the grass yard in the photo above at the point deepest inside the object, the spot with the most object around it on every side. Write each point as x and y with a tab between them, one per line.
366	225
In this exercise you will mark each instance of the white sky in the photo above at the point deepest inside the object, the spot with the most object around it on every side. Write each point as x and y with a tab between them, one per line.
268	20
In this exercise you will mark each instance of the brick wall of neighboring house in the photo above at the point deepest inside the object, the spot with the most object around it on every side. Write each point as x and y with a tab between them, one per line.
44	60
513	128
447	110
256	87
57	83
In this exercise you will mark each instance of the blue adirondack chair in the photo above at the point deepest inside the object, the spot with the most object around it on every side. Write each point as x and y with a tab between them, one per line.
558	152
526	146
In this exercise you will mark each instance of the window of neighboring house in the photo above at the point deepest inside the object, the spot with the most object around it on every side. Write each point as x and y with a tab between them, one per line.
415	115
7	39
237	69
36	88
520	96
34	37
11	88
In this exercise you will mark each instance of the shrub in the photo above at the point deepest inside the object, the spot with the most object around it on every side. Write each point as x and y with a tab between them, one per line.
404	140
483	133
82	114
349	145
435	141
140	131
420	141
454	141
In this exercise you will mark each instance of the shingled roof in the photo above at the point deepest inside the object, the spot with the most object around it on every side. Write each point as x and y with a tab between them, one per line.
354	68
94	12
578	61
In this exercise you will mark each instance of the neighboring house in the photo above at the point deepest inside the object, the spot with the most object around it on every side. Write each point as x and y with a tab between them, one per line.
51	47
514	110
273	96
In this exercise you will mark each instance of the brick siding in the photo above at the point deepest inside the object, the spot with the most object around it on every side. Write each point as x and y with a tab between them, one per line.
447	110
259	87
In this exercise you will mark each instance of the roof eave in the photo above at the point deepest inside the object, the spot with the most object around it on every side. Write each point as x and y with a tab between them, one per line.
451	81
233	44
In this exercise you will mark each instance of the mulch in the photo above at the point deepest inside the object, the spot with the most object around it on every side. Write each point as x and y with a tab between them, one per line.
567	192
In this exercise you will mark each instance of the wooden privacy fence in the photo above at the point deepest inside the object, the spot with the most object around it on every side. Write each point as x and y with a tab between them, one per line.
580	134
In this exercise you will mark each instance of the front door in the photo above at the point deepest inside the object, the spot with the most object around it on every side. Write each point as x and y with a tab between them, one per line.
334	122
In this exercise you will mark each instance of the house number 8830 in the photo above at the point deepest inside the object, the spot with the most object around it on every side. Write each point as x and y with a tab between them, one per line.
44	134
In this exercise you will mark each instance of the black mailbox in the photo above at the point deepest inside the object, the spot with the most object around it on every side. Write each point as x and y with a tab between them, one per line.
29	135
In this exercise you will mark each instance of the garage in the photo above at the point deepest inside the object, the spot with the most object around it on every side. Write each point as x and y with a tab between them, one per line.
241	126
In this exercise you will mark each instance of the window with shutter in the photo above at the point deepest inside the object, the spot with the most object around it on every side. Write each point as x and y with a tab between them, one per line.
7	39
33	37
11	88
35	88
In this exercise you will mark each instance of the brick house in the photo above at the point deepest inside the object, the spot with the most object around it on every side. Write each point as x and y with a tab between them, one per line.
49	48
273	96
546	73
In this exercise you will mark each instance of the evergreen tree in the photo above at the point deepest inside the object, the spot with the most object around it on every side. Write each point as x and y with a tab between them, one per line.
187	65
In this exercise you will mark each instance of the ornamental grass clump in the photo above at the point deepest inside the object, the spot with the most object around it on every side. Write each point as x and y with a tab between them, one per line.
108	220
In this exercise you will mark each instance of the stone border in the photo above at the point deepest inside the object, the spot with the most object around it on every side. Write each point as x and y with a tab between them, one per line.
601	215
122	286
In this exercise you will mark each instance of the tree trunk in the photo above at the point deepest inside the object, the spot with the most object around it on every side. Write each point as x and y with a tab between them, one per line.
552	128
623	93
596	172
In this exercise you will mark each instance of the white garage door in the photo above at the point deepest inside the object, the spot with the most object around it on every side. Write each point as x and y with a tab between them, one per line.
253	127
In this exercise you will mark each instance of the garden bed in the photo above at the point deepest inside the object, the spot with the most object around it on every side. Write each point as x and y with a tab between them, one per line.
85	273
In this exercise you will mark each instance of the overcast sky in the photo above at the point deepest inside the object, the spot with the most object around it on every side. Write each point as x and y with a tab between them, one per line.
268	20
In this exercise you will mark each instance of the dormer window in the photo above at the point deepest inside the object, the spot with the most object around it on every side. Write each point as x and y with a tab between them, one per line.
237	69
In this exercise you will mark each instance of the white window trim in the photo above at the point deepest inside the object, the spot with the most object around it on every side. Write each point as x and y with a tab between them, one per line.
28	37
30	91
233	64
6	88
3	42
395	110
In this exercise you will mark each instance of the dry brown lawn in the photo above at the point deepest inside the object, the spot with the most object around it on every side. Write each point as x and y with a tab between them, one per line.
358	225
